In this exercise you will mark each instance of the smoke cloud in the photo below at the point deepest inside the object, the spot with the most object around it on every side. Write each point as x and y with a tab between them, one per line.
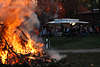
56	55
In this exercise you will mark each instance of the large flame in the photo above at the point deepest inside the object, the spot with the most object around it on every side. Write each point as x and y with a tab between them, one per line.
13	42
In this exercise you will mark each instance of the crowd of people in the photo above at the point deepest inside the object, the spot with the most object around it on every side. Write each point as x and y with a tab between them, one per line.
69	30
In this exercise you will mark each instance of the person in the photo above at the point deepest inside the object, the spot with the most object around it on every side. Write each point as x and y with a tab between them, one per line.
44	32
97	29
90	30
67	31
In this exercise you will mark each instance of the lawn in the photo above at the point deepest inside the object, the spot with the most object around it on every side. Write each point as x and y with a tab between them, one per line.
87	42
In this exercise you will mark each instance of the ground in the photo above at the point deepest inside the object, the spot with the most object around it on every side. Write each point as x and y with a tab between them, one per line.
80	51
82	60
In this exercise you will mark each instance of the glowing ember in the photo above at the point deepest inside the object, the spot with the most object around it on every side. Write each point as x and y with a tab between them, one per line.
15	46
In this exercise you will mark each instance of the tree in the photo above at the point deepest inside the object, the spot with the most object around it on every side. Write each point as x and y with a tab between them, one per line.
70	7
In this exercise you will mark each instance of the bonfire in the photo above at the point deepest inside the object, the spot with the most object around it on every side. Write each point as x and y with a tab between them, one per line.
17	45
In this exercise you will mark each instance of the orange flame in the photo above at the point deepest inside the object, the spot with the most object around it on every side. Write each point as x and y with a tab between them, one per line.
12	14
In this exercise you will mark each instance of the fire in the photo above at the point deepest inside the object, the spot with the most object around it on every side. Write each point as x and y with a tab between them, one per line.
4	56
14	44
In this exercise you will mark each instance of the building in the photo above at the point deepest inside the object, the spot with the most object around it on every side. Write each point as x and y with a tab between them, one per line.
82	9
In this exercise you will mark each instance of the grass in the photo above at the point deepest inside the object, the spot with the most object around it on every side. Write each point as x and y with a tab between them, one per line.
88	42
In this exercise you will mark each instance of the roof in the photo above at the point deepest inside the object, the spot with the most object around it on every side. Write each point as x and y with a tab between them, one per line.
58	21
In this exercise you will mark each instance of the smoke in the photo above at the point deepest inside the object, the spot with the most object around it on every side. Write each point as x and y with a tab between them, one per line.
56	55
31	24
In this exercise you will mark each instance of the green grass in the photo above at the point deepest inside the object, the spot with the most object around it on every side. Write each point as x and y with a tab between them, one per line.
88	42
